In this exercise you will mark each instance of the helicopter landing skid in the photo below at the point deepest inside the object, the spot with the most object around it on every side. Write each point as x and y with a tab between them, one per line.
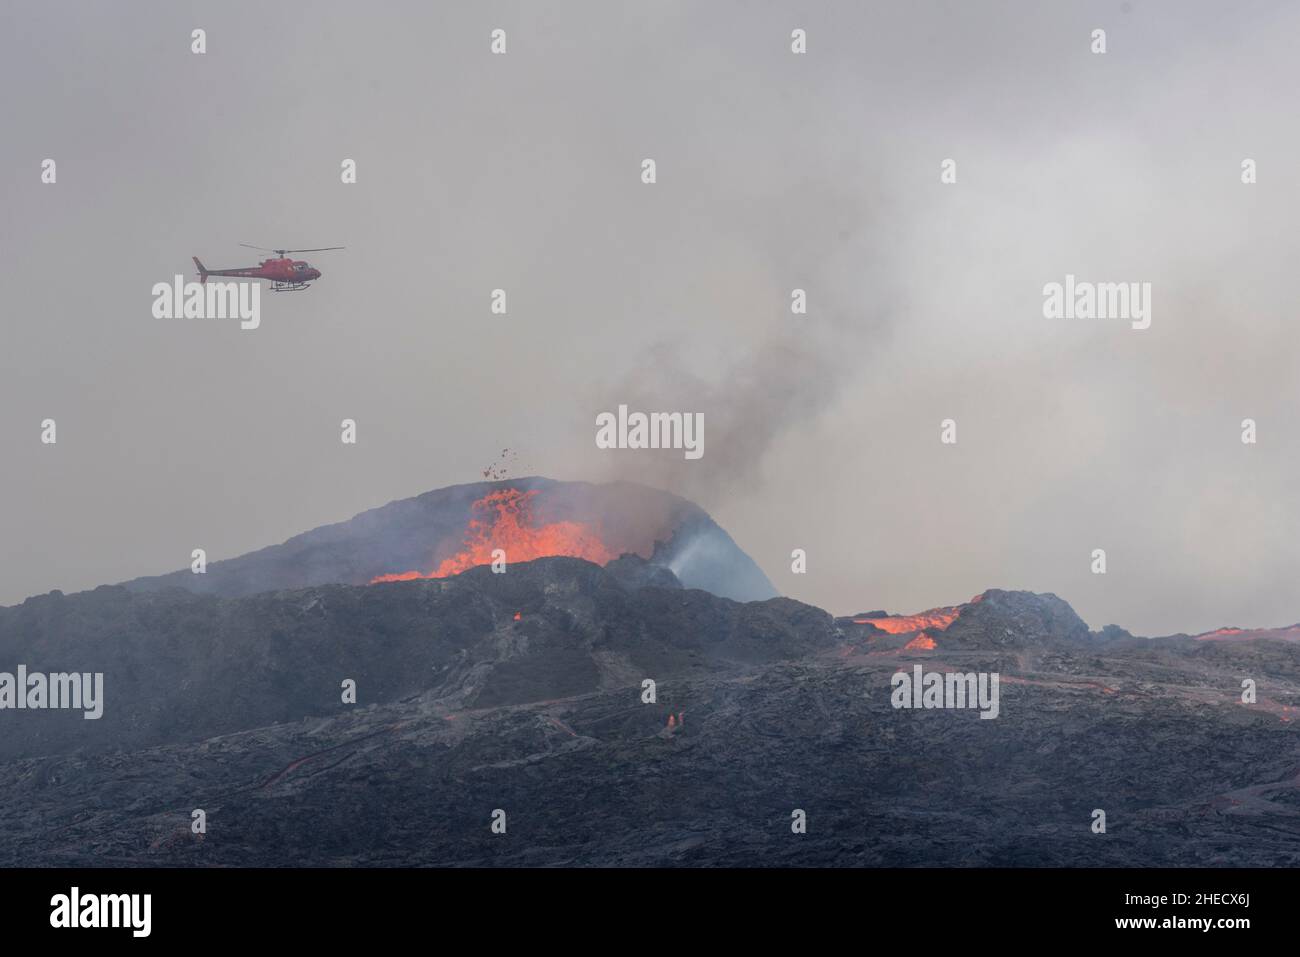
289	286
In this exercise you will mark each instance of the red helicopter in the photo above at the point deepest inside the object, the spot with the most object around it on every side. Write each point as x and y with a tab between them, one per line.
286	275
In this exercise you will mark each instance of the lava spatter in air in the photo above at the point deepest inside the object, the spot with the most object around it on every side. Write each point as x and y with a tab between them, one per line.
504	520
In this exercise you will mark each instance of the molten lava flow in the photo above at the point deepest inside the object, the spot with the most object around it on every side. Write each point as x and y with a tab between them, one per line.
1290	632
504	520
936	618
921	642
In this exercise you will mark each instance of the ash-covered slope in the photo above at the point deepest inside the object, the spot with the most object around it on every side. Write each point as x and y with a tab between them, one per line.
711	772
420	533
523	692
183	667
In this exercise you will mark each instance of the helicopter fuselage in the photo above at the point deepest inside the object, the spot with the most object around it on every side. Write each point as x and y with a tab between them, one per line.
282	270
284	274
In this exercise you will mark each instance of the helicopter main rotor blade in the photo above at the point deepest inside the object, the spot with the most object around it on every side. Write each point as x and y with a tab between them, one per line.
281	252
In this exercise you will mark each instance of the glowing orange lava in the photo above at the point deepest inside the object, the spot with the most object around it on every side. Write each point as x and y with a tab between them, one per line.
504	520
1288	633
936	618
921	642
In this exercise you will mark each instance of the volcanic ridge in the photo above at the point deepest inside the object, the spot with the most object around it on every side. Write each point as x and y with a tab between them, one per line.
524	687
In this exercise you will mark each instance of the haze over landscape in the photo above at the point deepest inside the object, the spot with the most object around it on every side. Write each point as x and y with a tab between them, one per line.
775	172
367	573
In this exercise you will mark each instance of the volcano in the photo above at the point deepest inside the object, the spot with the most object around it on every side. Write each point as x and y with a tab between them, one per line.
450	530
621	716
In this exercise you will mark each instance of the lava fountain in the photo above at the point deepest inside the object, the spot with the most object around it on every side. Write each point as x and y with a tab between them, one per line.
504	519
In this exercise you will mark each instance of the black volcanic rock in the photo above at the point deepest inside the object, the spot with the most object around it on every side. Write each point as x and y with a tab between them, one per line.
417	534
182	667
1186	775
1113	633
523	691
632	571
998	619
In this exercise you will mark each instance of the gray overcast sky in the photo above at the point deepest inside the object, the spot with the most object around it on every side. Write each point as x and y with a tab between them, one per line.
775	171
